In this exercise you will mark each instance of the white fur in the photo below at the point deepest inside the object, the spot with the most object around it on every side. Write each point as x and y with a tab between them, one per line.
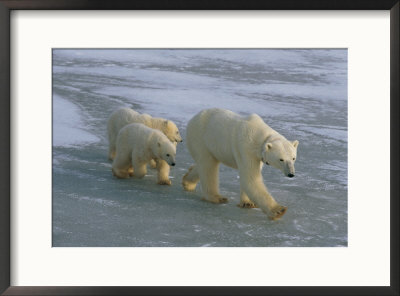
136	145
124	116
217	136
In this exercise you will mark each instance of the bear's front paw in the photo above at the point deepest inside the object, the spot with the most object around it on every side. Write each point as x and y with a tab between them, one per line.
247	205
164	182
277	212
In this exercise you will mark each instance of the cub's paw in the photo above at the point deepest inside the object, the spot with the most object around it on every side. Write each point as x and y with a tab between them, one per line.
247	205
277	212
164	182
152	164
120	175
130	172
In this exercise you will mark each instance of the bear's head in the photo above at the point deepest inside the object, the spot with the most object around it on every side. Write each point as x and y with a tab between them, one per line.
280	154
171	131
166	151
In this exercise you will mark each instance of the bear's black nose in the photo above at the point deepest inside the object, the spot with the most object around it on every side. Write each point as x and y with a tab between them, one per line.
290	175
173	164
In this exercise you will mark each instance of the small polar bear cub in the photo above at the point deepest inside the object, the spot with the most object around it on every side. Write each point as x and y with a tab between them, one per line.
124	116
217	136
136	145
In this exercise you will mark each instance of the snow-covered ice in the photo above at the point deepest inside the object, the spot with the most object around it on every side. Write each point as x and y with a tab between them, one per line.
300	93
67	126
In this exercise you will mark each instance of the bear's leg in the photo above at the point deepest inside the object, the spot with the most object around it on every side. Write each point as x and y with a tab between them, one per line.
111	154
139	169
120	166
245	201
163	172
190	179
252	184
112	139
153	163
209	179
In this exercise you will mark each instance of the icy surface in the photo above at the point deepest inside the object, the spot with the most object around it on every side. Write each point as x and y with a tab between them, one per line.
67	126
300	93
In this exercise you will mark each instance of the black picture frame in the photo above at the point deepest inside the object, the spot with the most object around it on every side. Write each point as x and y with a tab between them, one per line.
7	6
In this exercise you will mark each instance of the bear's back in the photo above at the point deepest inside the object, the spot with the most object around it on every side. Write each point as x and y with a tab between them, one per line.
126	114
135	132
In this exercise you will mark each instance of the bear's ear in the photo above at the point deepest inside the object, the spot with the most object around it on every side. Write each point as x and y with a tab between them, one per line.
268	146
158	143
295	143
166	122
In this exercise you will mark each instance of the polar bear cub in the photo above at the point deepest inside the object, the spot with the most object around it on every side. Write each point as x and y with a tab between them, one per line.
136	145
124	116
217	136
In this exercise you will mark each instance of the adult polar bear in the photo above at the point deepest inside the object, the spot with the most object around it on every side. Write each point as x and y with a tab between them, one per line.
125	116
217	135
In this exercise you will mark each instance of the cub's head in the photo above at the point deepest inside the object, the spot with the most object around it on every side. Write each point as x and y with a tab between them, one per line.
167	151
171	131
280	154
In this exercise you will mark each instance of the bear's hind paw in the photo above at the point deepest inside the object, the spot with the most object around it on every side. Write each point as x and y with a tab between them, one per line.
164	182
217	199
188	186
247	205
277	212
222	199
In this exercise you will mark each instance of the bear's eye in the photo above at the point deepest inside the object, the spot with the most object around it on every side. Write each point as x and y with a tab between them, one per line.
294	158
281	159
177	132
167	155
